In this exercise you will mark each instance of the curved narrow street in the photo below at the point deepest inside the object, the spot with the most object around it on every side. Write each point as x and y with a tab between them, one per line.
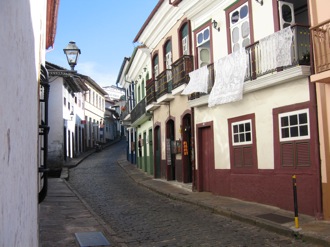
140	217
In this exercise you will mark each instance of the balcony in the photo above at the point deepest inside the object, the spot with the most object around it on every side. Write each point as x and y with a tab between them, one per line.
125	114
321	49
164	86
180	69
210	83
261	68
151	101
139	114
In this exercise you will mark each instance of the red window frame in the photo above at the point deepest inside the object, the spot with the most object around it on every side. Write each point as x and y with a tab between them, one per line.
294	156
243	158
228	10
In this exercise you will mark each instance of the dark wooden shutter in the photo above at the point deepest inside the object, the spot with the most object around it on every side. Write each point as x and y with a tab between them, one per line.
303	153
238	156
287	154
247	156
243	156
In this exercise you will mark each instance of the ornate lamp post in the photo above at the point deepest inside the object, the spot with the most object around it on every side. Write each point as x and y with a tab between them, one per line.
72	53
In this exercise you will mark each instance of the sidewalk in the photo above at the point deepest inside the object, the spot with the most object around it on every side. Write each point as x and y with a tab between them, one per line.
65	213
65	219
268	217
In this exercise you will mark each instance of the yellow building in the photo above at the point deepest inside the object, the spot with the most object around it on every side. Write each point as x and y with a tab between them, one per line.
320	32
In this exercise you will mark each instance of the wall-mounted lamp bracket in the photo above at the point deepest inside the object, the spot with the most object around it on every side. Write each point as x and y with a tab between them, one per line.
260	1
215	25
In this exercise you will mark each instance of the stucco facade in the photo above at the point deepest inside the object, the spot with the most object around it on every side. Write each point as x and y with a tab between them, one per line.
245	146
320	20
23	46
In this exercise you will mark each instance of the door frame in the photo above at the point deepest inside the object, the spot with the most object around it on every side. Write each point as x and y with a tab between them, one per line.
199	129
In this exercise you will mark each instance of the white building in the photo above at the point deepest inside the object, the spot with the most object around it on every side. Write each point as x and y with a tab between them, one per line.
66	116
25	35
94	112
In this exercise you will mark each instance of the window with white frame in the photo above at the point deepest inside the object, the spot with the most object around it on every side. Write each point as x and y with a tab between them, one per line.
294	138
240	27
243	154
185	40
242	133
294	125
203	47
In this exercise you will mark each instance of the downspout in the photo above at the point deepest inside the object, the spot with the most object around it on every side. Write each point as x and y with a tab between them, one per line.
44	130
194	184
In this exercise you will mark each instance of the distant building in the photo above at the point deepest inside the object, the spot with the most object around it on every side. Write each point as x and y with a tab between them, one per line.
114	92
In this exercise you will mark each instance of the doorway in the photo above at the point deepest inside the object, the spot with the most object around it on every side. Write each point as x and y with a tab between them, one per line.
205	146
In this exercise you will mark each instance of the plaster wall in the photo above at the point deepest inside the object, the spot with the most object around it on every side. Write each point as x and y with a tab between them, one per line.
319	11
261	103
144	128
55	136
173	110
21	39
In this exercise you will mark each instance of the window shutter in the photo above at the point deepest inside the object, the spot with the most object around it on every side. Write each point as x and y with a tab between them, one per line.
238	156
303	154
248	158
287	154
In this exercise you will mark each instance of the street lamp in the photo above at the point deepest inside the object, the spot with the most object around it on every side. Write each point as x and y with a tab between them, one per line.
72	53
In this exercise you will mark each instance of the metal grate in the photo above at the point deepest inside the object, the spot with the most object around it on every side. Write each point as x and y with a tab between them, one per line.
275	218
86	239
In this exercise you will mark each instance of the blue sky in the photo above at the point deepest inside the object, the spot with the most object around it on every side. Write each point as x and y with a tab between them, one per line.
104	31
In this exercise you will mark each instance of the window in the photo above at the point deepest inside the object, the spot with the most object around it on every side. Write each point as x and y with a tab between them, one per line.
239	26
143	88
64	101
203	46
168	59
241	133
156	66
294	138
184	39
294	125
243	154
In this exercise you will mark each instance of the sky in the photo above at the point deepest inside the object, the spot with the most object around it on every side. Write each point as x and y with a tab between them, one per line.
103	30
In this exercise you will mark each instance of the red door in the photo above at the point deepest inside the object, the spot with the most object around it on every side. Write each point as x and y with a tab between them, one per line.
205	157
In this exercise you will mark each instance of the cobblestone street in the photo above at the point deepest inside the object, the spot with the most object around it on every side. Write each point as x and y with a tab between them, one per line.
140	217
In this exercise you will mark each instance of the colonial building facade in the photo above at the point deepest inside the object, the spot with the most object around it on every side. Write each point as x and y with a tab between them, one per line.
234	111
320	25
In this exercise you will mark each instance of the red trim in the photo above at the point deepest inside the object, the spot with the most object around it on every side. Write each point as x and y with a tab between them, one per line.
184	22
157	143
145	24
209	24
230	9
276	16
51	23
156	53
244	170
175	2
313	137
168	40
200	147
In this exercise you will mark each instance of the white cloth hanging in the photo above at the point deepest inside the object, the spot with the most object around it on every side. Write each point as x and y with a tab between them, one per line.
198	81
229	78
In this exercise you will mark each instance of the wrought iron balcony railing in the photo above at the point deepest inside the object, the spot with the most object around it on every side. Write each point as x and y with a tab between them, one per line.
258	65
151	92
164	83
181	68
138	110
210	83
124	111
321	46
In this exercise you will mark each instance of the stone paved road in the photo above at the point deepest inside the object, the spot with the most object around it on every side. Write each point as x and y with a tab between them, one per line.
143	218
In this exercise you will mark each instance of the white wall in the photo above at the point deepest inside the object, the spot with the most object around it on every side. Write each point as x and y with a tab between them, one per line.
21	38
261	103
55	136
